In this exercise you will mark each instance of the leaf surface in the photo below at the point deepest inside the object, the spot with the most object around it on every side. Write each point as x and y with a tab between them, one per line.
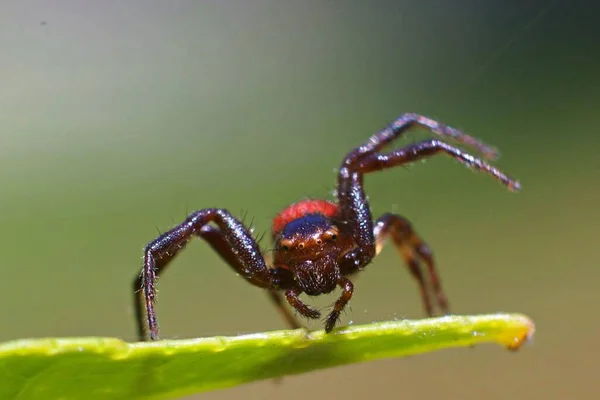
109	368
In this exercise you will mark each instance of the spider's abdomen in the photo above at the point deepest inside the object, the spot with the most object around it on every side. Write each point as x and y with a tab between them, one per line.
302	208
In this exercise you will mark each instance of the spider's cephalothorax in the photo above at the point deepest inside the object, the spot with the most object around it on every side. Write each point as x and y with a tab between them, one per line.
312	245
319	244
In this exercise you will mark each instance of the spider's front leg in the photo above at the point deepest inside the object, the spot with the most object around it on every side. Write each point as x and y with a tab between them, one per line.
245	258
353	201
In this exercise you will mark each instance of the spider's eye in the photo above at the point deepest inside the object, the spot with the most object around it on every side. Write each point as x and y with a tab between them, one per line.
285	244
331	234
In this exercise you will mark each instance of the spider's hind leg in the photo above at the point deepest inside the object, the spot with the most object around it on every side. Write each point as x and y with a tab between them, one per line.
413	250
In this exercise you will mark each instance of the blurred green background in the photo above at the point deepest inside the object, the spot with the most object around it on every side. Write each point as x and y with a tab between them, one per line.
117	118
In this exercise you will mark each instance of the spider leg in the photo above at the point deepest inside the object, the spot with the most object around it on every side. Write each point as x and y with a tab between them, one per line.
411	120
158	254
354	203
138	293
411	247
428	148
352	199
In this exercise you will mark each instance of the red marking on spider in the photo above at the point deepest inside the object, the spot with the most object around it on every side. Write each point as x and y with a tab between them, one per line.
302	208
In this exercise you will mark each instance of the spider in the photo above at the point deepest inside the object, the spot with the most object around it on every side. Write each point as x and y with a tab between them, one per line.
319	244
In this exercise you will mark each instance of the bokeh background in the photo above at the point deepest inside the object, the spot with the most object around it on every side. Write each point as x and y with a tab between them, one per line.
117	118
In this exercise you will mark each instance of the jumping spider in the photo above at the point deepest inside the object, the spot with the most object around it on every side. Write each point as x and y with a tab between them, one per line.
318	243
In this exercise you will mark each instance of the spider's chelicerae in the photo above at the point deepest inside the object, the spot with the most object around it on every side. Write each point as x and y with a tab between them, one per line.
318	244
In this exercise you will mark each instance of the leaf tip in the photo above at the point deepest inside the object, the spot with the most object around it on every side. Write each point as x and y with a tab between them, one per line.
523	334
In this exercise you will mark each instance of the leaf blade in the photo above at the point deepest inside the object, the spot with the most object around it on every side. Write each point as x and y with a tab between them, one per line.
73	368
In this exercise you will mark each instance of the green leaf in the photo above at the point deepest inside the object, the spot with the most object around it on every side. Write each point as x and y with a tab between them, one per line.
108	368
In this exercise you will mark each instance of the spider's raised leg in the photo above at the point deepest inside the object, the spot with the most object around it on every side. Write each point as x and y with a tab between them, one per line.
411	248
352	199
158	253
411	120
428	148
354	204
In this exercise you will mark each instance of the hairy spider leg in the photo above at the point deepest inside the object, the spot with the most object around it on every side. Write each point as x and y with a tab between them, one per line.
377	162
159	252
353	201
139	298
351	197
411	246
411	120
